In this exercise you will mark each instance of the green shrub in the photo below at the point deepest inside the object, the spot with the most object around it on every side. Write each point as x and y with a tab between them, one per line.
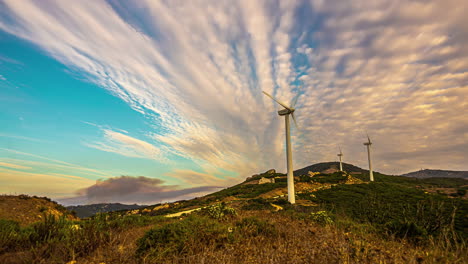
181	237
336	177
321	217
404	229
9	232
305	178
380	203
219	211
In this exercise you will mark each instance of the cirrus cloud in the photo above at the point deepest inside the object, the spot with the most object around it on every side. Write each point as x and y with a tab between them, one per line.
397	69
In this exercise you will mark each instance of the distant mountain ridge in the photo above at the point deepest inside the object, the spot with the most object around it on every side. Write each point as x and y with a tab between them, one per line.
427	173
83	211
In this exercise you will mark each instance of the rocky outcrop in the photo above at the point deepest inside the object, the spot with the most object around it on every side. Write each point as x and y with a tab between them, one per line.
312	174
264	180
330	170
352	180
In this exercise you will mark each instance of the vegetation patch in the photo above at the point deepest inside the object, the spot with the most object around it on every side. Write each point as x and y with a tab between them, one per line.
219	211
321	217
183	237
257	204
397	209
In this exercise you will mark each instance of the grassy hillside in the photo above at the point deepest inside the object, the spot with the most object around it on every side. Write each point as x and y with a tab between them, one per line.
26	209
337	219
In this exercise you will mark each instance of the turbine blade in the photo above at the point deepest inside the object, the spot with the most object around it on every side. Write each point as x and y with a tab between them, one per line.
294	119
294	101
340	149
368	138
279	102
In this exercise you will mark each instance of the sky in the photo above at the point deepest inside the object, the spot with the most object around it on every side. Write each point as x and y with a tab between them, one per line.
153	101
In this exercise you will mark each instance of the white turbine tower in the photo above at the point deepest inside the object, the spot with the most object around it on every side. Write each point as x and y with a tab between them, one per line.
368	144
340	155
286	112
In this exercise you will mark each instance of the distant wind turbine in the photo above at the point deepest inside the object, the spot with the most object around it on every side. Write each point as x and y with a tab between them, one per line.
368	144
340	155
286	112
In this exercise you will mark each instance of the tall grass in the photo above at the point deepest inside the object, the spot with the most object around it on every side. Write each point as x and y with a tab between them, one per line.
58	239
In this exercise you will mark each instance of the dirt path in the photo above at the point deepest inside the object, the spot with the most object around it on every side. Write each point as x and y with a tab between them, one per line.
183	212
277	207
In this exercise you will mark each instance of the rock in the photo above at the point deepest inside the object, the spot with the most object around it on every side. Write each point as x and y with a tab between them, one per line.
351	180
264	180
330	171
272	171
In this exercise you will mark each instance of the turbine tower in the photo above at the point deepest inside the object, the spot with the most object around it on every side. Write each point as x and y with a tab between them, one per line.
286	112
368	144
340	155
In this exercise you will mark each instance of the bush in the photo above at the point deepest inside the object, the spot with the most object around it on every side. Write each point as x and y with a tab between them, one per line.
183	237
9	232
321	217
405	229
219	211
381	203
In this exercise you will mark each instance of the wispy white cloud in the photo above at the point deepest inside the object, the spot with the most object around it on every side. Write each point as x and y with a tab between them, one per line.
21	137
127	146
396	69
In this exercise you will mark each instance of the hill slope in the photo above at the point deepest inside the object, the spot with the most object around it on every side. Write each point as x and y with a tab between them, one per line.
26	209
437	174
323	166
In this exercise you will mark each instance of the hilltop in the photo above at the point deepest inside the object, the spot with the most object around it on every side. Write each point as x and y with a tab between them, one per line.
338	217
329	167
437	174
26	209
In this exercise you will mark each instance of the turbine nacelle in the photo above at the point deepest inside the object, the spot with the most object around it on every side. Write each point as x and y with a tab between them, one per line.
286	111
368	143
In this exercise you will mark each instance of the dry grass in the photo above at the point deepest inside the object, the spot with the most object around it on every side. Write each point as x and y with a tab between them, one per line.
295	241
300	241
29	209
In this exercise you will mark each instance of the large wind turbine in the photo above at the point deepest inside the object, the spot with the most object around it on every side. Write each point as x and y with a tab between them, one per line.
286	112
368	144
340	155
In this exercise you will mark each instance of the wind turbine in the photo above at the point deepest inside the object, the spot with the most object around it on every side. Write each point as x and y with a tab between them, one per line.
340	155
286	112
368	144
